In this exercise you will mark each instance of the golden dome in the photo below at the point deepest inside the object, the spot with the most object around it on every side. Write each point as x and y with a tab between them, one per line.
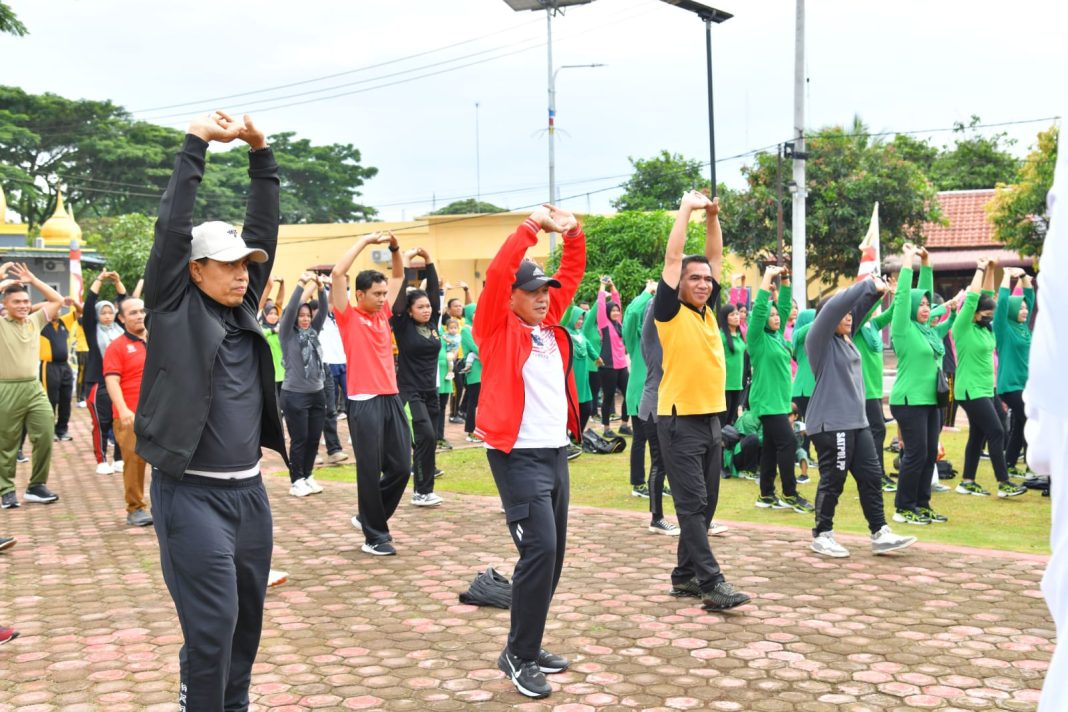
60	229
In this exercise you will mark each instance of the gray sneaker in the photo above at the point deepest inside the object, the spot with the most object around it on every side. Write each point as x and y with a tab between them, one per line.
825	545
139	518
10	500
884	541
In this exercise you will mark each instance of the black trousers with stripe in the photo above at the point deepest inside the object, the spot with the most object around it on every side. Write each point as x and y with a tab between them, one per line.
382	442
215	541
534	485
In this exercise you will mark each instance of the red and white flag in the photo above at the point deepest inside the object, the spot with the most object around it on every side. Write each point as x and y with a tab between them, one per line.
870	258
75	270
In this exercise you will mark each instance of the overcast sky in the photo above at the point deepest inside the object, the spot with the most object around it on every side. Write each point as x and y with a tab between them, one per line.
904	65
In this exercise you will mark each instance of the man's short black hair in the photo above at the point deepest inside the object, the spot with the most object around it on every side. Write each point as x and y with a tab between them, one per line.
448	305
15	289
367	278
690	259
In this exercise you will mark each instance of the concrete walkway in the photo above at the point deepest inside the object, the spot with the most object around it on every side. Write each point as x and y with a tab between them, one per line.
932	628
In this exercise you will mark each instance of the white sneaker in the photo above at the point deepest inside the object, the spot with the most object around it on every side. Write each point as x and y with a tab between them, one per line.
337	457
104	469
884	541
426	500
276	578
117	466
825	545
313	486
81	404
319	460
356	522
300	488
714	529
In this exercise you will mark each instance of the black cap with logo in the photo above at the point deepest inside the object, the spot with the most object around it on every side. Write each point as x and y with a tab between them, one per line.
530	277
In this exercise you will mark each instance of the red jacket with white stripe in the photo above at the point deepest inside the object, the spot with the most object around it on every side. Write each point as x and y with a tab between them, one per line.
504	342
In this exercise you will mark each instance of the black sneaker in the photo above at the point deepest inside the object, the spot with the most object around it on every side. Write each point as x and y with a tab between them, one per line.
609	434
7	542
688	589
573	451
641	490
383	549
803	479
444	445
21	458
9	501
40	494
551	664
438	473
62	437
524	674
625	430
456	420
722	597
667	490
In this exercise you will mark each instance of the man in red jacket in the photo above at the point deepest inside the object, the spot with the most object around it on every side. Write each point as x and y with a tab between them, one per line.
526	365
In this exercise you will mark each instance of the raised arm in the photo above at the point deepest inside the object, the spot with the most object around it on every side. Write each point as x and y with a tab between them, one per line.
288	319
902	314
971	301
830	315
262	210
320	315
265	295
338	290
758	315
167	271
634	316
433	286
676	244
602	306
53	301
572	261
926	279
714	239
468	299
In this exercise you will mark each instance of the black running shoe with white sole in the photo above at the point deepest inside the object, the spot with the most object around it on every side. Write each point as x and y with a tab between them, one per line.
39	494
382	549
524	674
551	664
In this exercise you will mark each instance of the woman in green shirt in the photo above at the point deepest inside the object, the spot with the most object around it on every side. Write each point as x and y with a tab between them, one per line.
973	335
769	396
472	371
1013	337
269	324
584	357
914	397
730	330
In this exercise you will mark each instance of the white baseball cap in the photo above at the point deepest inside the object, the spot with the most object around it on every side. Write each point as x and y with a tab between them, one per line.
221	242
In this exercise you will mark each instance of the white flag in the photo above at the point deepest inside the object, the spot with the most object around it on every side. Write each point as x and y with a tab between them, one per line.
870	259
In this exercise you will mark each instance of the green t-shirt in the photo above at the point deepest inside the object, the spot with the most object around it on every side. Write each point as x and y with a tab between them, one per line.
770	355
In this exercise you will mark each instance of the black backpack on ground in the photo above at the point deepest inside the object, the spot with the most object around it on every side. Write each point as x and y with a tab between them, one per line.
596	444
946	471
730	436
489	588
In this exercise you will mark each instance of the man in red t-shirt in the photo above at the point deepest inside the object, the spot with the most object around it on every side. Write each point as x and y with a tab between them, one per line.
124	362
381	436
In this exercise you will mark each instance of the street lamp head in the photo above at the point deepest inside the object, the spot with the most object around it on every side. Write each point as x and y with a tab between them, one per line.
705	12
520	5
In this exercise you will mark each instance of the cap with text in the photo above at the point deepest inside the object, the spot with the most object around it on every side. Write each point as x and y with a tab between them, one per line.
530	277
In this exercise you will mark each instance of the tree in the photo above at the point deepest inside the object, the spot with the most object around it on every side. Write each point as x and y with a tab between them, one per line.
9	22
124	242
658	183
468	207
112	165
1018	210
847	172
629	247
974	161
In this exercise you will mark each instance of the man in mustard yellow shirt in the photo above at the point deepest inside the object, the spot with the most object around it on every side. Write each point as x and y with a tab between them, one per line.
56	373
22	401
691	395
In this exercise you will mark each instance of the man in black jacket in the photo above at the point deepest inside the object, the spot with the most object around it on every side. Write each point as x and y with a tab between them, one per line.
207	405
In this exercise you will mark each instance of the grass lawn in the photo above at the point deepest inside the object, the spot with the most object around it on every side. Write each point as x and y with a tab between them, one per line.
1014	524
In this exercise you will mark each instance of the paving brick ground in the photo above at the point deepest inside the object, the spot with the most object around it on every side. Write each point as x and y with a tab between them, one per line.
933	628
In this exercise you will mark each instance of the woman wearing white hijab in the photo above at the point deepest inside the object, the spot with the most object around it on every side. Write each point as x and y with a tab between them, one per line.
101	329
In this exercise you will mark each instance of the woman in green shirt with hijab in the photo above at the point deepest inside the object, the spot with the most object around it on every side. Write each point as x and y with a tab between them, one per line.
973	335
914	397
1013	337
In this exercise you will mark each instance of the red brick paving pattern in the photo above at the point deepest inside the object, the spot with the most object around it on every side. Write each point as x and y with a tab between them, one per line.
933	628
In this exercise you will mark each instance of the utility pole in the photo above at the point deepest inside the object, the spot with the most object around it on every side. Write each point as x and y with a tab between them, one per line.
798	223
478	165
552	123
778	205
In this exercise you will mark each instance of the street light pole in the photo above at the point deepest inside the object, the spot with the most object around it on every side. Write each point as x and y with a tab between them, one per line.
708	15
552	127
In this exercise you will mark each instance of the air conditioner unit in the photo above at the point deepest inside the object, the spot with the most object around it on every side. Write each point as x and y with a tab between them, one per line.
53	266
381	256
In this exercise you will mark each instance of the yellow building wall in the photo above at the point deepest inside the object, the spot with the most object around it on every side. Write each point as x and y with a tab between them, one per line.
462	247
